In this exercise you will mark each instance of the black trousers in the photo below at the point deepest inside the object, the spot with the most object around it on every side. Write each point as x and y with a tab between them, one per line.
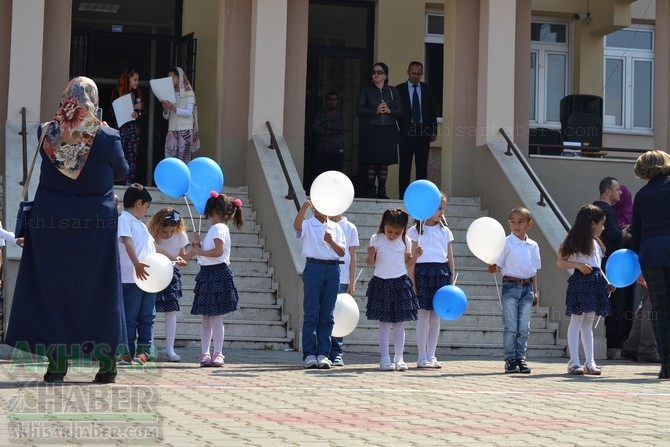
414	143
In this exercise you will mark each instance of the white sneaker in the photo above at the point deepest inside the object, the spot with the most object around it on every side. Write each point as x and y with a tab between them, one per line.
386	365
311	361
435	363
323	362
173	357
400	365
424	363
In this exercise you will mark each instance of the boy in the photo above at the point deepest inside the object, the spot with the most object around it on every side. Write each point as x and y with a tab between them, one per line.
519	263
322	247
135	242
347	277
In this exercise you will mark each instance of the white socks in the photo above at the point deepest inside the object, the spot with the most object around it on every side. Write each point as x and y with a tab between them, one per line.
211	327
581	325
170	331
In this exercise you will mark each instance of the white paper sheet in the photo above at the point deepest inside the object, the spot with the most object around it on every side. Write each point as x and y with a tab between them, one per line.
123	109
163	88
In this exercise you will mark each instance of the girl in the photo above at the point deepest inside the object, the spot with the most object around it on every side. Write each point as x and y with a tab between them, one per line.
433	270
183	137
169	231
215	292
588	288
129	82
391	297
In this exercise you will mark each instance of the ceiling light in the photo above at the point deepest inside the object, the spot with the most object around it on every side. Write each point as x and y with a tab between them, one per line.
98	7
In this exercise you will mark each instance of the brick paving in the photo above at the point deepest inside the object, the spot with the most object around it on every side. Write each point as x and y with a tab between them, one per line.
266	398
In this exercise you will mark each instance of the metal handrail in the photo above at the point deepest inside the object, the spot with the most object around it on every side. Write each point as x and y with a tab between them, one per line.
275	146
511	148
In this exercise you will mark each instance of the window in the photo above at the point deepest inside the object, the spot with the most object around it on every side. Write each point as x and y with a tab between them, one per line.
434	56
629	79
549	56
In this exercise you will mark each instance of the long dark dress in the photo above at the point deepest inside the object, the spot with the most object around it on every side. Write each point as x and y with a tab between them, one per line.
68	289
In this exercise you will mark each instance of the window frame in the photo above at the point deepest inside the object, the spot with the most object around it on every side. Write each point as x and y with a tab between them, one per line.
432	38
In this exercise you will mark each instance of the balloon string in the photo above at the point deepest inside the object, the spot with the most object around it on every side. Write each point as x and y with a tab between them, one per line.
455	279
498	290
358	276
597	321
189	213
421	227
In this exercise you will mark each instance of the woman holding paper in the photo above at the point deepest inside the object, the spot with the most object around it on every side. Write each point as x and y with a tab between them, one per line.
129	82
183	137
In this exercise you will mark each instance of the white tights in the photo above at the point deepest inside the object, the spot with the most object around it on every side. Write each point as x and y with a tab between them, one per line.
212	326
427	333
398	340
170	331
581	324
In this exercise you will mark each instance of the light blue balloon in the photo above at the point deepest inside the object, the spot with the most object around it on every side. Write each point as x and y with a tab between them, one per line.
450	302
172	177
623	268
422	199
206	176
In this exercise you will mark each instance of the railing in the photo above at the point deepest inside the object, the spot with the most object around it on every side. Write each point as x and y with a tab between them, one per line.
24	145
544	196
275	146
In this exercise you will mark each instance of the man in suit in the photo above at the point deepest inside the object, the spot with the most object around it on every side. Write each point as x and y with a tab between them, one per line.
418	125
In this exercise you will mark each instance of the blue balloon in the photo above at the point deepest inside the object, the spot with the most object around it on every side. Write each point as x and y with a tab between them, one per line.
172	177
422	199
623	268
450	302
206	176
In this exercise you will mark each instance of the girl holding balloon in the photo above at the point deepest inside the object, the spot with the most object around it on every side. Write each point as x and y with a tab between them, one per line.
588	287
169	232
433	270
391	296
215	293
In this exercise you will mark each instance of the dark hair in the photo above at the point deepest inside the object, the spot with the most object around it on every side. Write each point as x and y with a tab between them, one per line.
333	93
606	184
525	212
386	70
134	193
580	237
226	207
415	63
419	224
395	217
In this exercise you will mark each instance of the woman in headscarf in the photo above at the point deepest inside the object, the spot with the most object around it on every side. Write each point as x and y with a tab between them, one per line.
183	137
68	301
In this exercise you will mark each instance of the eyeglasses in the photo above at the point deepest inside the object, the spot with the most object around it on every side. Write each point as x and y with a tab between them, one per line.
378	72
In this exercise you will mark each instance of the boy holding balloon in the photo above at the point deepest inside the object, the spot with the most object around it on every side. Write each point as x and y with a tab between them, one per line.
519	263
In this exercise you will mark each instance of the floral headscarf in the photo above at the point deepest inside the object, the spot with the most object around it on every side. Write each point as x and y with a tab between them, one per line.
186	91
70	135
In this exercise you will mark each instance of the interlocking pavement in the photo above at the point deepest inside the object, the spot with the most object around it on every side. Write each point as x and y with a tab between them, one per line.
266	398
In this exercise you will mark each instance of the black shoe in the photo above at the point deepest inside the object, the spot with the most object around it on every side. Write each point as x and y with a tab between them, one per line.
629	355
381	194
511	366
371	192
523	368
665	372
105	377
53	375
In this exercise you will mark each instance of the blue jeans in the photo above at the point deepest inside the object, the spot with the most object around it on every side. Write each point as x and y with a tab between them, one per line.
320	285
337	342
517	303
140	308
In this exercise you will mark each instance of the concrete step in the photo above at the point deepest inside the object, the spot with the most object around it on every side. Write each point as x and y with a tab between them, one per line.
462	349
189	328
248	311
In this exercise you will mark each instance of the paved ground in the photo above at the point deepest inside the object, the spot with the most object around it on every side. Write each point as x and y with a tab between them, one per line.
265	398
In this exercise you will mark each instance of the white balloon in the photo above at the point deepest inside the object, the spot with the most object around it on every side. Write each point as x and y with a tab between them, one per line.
160	272
332	193
486	239
345	316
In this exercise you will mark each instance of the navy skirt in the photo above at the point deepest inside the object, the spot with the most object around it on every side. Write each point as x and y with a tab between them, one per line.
168	300
391	300
429	278
587	293
215	292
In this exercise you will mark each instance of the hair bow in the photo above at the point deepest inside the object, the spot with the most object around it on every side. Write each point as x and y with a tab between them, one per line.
214	194
238	203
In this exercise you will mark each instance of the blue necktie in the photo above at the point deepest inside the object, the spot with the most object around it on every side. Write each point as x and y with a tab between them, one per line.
416	107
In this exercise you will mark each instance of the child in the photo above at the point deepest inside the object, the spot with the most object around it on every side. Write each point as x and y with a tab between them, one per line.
129	83
588	287
347	277
135	242
322	246
433	270
215	293
183	137
391	296
169	231
519	263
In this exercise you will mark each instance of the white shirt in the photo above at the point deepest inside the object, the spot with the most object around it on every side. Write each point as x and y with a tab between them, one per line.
435	242
390	261
216	231
519	259
174	244
594	259
130	226
351	236
313	245
6	236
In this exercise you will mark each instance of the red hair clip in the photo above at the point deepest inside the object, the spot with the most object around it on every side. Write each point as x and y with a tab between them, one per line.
214	194
238	203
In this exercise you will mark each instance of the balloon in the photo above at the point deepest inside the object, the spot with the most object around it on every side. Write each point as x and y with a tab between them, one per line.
422	199
160	272
332	193
622	268
206	176
345	315
486	239
172	177
450	302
